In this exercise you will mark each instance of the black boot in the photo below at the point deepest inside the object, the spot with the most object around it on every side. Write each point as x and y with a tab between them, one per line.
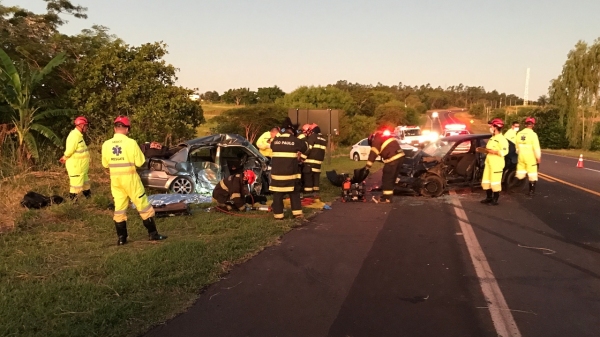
152	232
121	232
495	197
87	194
488	199
532	188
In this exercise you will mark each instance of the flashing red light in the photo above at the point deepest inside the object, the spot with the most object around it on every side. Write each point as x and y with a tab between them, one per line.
386	133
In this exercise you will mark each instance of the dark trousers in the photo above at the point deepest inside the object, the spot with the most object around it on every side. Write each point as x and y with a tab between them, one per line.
277	205
390	173
222	197
310	180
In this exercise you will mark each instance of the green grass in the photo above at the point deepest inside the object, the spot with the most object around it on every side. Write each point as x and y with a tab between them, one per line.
210	111
61	273
593	155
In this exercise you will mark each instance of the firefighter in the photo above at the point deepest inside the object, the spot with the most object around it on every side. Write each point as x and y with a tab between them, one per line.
312	160
496	149
530	154
511	134
264	142
121	155
385	145
77	160
230	192
285	171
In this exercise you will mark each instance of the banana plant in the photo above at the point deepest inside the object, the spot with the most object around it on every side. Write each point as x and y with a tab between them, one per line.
26	113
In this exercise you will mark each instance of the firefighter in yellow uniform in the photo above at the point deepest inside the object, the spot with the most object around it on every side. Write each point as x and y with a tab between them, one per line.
264	142
385	145
285	171
121	155
496	149
312	160
77	160
530	154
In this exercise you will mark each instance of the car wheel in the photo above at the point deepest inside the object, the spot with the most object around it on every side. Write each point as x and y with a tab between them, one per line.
513	184
356	157
182	185
432	186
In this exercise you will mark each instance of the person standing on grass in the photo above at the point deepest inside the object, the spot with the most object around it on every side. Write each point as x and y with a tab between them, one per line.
121	155
77	160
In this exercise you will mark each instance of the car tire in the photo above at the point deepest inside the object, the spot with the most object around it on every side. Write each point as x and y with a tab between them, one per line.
356	156
432	186
513	184
182	185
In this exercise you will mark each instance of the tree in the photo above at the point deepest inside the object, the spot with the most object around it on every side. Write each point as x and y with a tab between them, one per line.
319	97
250	121
239	96
122	80
542	100
25	110
391	114
210	96
269	94
576	91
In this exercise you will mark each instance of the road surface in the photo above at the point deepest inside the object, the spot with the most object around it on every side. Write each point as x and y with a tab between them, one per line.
449	266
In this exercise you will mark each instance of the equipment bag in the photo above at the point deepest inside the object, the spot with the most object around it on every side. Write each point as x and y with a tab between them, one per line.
37	201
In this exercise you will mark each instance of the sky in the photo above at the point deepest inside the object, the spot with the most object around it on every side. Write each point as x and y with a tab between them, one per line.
226	44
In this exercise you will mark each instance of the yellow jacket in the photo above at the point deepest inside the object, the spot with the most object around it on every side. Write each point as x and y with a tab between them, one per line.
121	155
264	144
496	161
528	145
76	153
511	135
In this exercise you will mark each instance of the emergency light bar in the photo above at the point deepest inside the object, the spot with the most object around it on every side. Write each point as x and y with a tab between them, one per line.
455	127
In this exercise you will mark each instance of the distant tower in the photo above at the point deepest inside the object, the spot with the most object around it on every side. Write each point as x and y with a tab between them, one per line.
526	96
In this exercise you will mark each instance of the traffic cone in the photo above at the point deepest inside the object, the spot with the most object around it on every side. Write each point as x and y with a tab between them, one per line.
580	161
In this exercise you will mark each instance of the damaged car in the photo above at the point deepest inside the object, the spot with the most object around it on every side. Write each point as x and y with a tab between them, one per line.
449	162
197	165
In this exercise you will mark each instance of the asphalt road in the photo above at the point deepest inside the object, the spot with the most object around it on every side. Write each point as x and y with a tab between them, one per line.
419	267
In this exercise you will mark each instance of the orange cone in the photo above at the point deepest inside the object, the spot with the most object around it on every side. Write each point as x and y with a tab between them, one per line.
580	161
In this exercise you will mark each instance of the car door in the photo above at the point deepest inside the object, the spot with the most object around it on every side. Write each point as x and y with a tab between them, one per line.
364	149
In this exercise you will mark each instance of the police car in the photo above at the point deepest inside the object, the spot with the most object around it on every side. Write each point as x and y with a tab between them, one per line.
360	151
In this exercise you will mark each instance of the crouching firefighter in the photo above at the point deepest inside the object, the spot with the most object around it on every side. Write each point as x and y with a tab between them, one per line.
496	149
285	171
385	145
313	158
121	155
230	192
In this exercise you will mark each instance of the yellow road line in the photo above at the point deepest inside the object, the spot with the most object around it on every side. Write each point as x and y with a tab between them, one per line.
546	179
569	184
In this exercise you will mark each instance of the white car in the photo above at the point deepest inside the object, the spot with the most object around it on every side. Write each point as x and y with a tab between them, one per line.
360	150
434	114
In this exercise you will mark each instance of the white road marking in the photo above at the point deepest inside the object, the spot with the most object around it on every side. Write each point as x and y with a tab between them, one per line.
502	318
589	169
574	158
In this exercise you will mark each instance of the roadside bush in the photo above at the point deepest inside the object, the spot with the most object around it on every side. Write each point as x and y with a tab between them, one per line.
551	131
595	143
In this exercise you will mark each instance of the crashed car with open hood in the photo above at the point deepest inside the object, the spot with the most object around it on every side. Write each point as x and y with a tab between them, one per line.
448	162
197	165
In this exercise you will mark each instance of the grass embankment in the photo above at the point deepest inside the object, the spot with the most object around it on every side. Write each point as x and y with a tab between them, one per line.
210	111
61	273
593	155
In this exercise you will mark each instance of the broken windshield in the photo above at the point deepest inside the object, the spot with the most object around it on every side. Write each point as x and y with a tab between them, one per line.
439	148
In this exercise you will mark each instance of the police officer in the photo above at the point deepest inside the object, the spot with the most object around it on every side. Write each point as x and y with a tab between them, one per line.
385	145
77	160
496	149
530	154
285	172
121	155
232	190
312	160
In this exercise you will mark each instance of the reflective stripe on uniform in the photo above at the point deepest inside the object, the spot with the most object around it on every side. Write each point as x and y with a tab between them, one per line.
283	155
388	192
313	161
121	165
223	186
297	212
288	177
369	163
281	189
316	170
397	156
386	143
308	189
319	146
278	216
376	150
235	195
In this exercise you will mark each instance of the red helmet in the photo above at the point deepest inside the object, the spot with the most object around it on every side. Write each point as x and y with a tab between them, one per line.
123	120
81	120
250	176
497	123
529	120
